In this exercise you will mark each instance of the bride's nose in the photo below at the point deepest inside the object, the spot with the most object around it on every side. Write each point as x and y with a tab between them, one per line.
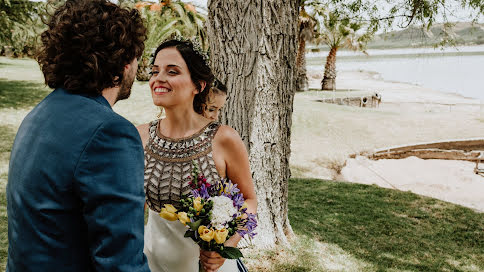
160	77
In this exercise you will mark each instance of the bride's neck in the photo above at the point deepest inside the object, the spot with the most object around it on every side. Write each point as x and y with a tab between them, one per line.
180	123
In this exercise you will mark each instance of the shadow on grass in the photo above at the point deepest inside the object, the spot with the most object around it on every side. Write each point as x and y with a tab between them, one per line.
21	94
388	228
7	135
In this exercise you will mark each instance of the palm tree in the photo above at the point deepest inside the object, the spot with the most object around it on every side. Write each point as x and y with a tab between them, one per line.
337	32
306	32
163	20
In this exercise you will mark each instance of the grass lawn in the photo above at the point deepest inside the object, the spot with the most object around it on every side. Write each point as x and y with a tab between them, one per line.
20	94
339	226
7	135
377	229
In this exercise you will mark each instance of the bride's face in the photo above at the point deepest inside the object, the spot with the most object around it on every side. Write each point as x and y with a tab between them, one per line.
170	82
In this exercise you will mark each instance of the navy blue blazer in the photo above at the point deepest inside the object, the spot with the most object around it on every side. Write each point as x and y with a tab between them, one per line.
75	189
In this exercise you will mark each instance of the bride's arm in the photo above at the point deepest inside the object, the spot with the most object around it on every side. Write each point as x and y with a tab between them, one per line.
228	145
237	169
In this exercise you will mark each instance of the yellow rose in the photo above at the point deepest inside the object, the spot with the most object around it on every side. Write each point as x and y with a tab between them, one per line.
206	234
183	217
170	208
221	236
201	228
169	213
197	204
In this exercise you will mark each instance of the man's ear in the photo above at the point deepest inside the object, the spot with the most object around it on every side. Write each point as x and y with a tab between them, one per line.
129	66
125	72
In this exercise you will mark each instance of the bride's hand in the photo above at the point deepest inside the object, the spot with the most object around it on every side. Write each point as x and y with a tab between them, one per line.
211	260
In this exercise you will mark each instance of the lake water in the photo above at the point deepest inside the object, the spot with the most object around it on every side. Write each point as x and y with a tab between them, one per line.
457	70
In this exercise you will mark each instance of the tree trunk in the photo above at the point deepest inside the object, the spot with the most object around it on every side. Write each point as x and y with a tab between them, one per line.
302	79
253	51
329	79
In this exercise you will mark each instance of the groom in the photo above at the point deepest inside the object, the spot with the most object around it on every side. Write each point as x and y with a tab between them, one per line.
75	185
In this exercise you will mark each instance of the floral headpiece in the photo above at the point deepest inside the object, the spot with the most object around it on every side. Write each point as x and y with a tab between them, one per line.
197	47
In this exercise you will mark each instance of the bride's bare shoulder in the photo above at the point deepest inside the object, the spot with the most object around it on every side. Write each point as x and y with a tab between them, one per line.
227	136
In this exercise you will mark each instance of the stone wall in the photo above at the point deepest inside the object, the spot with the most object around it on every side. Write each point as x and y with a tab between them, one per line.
370	101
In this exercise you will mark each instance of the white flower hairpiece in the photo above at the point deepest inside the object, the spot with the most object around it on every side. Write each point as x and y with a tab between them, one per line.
197	47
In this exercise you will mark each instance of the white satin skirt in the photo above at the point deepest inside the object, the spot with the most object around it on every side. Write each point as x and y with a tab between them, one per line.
168	251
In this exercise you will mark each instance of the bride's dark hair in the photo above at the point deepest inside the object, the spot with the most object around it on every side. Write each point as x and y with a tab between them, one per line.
198	67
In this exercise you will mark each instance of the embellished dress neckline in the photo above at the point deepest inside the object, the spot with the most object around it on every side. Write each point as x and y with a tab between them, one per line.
169	163
194	135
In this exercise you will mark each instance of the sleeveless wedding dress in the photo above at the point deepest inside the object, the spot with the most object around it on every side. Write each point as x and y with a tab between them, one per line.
168	163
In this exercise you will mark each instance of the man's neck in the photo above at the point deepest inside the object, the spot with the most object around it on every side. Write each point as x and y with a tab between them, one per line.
111	95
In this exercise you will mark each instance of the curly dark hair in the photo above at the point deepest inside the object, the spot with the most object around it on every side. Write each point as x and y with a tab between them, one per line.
88	43
198	67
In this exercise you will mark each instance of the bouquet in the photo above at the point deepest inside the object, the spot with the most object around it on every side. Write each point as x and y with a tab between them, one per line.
212	214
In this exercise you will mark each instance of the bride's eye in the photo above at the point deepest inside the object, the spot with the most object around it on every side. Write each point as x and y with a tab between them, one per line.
153	73
172	72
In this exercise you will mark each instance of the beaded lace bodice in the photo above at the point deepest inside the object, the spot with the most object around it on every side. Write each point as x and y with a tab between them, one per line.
168	164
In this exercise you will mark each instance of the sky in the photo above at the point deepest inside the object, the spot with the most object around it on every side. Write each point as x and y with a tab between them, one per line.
202	3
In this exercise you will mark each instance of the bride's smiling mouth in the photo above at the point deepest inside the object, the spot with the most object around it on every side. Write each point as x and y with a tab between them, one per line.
161	90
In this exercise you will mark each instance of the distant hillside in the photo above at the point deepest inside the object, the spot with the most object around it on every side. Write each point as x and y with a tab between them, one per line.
464	34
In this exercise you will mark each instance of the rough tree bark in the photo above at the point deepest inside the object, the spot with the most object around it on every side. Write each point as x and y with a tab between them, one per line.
253	47
329	79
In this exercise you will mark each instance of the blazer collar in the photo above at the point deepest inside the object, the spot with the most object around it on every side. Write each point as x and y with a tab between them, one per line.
98	98
101	100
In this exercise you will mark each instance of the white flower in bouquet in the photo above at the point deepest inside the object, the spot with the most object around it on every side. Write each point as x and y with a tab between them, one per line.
222	211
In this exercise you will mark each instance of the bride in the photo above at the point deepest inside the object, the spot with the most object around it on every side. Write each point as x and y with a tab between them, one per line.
179	83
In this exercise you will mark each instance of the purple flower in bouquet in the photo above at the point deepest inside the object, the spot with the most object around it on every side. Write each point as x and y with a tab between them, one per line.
202	192
238	201
251	224
227	188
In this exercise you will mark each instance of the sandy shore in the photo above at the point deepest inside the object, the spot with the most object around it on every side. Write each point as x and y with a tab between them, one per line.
324	135
452	181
